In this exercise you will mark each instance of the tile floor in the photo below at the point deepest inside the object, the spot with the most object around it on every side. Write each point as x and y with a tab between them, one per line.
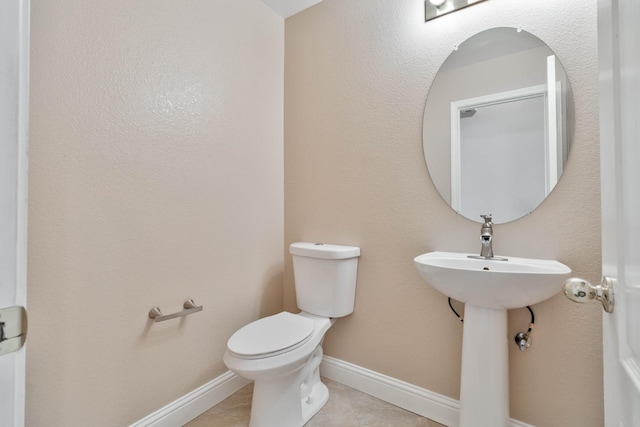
346	408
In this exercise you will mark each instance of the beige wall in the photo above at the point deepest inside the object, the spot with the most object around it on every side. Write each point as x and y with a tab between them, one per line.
357	74
156	175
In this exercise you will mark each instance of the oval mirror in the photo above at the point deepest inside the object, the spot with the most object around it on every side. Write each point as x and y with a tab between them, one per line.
498	124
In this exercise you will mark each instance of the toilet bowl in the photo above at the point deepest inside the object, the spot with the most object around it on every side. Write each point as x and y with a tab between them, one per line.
287	391
282	353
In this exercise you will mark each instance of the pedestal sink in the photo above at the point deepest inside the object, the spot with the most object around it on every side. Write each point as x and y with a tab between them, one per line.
488	288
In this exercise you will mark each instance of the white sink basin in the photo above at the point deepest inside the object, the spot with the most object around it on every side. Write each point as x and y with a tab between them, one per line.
515	283
488	288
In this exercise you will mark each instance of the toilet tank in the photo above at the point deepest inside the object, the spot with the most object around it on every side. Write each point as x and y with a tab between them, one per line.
325	278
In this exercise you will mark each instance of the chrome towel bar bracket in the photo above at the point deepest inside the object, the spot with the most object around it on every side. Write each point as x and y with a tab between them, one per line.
190	307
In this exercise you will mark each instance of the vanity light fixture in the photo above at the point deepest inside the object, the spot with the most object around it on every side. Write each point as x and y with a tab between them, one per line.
437	8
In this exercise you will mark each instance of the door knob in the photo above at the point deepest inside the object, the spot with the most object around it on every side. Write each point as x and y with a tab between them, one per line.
580	290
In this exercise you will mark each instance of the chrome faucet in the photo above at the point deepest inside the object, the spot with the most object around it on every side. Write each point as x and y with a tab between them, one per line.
486	238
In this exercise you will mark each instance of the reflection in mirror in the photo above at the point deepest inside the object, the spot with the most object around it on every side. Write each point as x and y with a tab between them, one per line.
497	125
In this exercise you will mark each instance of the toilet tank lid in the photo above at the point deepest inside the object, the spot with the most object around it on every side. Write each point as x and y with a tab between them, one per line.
323	250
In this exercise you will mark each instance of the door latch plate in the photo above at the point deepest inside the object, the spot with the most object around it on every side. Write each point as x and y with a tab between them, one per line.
13	329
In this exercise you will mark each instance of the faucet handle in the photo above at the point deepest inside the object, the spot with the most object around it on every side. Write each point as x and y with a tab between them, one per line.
487	219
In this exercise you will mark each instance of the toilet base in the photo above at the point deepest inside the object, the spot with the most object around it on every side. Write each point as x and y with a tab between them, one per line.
311	407
292	400
269	410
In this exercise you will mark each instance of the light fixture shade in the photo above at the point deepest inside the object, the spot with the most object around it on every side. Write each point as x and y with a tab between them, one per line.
437	8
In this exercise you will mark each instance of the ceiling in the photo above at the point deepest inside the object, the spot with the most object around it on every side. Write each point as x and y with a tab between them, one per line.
286	8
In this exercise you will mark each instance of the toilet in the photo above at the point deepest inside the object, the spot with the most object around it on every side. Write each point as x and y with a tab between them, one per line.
282	353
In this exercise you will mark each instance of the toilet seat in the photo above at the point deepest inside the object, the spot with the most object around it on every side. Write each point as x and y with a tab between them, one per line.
271	336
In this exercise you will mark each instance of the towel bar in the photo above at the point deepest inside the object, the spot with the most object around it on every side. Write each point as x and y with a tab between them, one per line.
189	308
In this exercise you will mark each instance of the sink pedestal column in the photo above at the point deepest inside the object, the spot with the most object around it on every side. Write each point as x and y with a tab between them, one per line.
484	387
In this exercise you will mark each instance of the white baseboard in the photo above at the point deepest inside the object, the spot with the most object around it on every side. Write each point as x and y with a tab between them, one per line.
181	411
423	402
428	404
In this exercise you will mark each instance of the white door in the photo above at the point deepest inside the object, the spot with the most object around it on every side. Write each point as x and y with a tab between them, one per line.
14	74
619	55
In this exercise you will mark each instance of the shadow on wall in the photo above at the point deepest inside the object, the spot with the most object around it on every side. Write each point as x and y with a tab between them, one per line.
272	299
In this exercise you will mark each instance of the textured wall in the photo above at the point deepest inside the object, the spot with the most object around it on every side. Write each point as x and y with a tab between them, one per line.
156	175
357	74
